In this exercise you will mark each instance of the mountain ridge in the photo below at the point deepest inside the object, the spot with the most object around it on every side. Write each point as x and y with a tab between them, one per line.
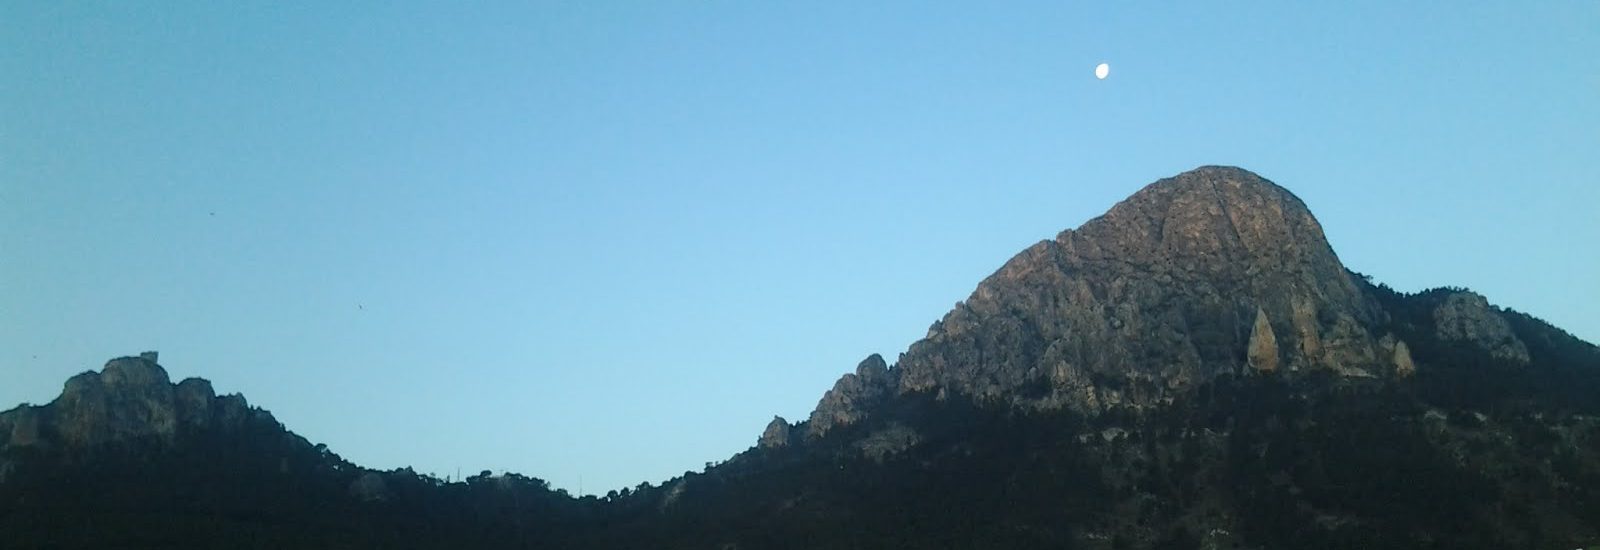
1193	369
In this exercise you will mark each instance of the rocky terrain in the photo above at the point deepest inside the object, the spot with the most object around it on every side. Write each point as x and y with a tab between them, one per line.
1193	369
1216	271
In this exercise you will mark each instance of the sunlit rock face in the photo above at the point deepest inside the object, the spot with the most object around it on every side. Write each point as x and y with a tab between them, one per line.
1403	365
131	397
1213	271
1263	348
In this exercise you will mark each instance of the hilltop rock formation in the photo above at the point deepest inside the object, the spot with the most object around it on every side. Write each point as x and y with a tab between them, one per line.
776	435
1214	271
131	397
1467	317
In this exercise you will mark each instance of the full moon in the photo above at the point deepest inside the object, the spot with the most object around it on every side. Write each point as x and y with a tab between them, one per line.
1101	70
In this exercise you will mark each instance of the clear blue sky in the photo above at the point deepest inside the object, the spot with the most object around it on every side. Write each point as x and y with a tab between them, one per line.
609	241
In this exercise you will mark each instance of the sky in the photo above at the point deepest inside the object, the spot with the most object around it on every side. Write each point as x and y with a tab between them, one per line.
603	243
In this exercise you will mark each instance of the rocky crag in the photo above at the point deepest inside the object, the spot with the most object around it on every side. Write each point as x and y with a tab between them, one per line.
130	398
1216	271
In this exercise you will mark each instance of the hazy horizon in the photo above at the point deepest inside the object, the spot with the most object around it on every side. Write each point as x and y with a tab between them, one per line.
611	242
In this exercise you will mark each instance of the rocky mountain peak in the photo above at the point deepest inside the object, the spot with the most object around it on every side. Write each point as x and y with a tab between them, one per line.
1207	211
130	397
1213	271
134	372
1222	225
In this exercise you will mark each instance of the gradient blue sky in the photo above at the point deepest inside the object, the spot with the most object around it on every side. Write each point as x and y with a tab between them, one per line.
608	241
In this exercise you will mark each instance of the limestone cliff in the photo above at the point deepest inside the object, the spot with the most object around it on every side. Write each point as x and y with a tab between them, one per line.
1214	271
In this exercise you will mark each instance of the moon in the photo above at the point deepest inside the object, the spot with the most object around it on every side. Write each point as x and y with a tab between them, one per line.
1102	70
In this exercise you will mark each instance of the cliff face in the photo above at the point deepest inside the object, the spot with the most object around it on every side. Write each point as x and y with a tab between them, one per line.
1214	271
131	397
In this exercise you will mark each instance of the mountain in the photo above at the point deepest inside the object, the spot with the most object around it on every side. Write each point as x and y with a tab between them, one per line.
130	399
124	458
1211	272
1193	369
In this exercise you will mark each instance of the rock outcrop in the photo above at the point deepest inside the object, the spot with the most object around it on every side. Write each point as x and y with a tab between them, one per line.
19	426
1467	317
1169	288
1263	347
131	397
852	396
1403	365
776	435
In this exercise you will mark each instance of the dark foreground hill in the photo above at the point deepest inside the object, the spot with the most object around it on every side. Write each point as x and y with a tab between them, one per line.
1193	369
